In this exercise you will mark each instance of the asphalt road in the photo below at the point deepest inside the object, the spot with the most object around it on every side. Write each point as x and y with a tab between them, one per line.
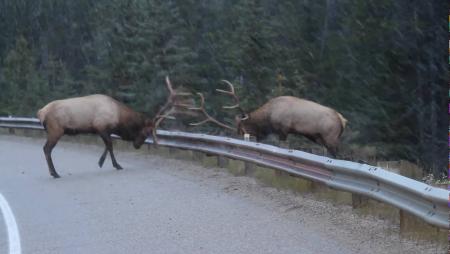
160	205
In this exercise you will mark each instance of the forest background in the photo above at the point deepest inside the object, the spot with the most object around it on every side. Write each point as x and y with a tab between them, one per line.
382	64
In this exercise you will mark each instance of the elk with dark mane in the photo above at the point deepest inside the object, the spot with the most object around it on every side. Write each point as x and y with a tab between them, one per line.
98	114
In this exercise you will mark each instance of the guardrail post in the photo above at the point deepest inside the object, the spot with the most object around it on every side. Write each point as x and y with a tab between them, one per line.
11	131
209	160
197	156
236	167
359	201
249	168
318	187
222	161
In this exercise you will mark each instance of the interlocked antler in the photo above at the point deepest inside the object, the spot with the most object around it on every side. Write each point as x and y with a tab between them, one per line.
166	111
209	118
232	93
171	99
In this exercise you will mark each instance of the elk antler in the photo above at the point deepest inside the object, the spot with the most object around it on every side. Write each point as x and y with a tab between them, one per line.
209	118
170	104
232	93
171	98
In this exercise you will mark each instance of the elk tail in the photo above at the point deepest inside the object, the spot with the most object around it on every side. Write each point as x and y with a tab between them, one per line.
41	114
343	122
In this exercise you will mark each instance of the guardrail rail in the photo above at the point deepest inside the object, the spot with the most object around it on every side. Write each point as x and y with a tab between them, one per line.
424	201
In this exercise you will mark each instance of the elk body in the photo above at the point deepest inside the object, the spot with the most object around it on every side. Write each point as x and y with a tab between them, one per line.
285	115
290	115
103	115
99	114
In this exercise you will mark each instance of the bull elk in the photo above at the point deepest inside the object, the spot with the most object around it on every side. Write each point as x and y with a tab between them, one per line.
287	115
98	114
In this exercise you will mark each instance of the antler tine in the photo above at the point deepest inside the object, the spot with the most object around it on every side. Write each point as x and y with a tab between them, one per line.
209	118
233	94
167	116
199	123
229	84
183	105
172	92
230	92
202	103
169	85
231	107
157	121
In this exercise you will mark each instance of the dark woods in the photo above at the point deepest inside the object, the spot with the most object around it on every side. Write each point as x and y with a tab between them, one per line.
382	64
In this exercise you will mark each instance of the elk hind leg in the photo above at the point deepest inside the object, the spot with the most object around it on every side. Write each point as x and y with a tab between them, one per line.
52	139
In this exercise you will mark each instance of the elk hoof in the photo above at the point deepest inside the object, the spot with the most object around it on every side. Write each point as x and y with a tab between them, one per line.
55	175
118	167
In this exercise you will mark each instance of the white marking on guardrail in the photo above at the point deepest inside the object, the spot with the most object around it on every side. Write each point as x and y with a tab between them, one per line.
11	227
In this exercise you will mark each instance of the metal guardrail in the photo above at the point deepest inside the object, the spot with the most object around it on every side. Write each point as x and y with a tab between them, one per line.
424	201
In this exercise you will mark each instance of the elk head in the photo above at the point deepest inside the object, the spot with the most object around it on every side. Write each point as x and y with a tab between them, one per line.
144	133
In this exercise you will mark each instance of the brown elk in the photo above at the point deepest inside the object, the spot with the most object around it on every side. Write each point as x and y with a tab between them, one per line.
289	115
98	114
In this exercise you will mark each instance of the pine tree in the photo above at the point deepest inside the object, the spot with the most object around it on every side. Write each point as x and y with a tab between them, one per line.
21	82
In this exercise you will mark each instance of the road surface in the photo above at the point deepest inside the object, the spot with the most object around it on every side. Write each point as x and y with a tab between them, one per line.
160	205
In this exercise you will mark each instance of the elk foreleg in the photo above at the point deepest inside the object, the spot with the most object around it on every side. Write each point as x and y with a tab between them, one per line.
103	157
108	147
332	146
332	150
